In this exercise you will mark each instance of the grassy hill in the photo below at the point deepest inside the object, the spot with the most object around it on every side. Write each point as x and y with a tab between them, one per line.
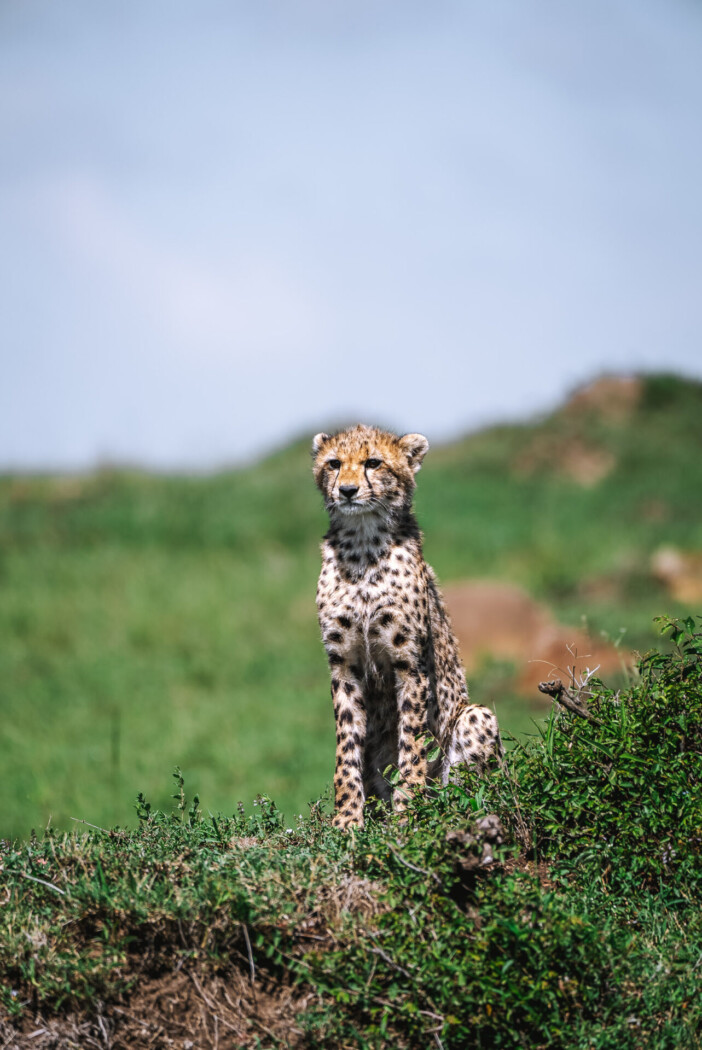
149	621
553	904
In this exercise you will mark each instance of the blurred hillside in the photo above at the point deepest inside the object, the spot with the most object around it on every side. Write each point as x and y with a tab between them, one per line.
150	621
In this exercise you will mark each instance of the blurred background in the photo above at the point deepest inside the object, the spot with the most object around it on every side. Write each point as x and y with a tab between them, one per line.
226	227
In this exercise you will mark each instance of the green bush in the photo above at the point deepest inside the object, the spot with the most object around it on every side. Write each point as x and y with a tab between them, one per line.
620	798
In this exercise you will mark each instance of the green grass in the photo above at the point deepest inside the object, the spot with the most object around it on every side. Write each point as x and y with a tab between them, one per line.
151	621
584	932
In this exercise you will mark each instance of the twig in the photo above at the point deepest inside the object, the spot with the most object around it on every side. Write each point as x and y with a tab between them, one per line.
430	1013
79	820
388	960
252	968
203	1018
141	1020
42	881
572	701
371	975
203	994
413	867
101	1023
259	1024
237	1008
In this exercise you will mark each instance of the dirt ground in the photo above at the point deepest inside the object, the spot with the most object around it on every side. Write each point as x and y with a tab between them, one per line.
500	621
183	1010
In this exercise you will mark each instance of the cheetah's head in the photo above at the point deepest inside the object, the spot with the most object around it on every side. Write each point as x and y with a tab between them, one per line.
364	470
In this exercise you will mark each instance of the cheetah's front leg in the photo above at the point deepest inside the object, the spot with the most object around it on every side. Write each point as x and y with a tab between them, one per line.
412	690
350	716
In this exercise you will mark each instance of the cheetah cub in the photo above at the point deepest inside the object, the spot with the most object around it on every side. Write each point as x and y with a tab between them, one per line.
395	669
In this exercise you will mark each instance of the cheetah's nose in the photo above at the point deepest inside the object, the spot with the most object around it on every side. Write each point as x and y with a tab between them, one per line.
349	491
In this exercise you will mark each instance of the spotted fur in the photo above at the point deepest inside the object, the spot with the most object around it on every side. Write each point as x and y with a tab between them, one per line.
396	676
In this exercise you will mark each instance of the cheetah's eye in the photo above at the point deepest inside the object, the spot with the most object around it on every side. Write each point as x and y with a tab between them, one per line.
334	463
373	463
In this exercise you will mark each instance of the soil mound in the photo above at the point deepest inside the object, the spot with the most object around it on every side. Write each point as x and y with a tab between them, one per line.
614	398
500	621
680	572
565	448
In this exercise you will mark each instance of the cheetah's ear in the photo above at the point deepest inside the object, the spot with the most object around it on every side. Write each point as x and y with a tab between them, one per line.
415	447
318	441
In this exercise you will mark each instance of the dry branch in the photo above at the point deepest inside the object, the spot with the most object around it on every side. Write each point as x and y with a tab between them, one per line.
573	701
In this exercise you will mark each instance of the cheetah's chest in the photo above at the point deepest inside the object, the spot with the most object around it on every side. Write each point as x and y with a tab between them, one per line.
370	612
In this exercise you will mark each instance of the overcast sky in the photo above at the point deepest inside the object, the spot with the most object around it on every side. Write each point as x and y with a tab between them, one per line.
225	224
